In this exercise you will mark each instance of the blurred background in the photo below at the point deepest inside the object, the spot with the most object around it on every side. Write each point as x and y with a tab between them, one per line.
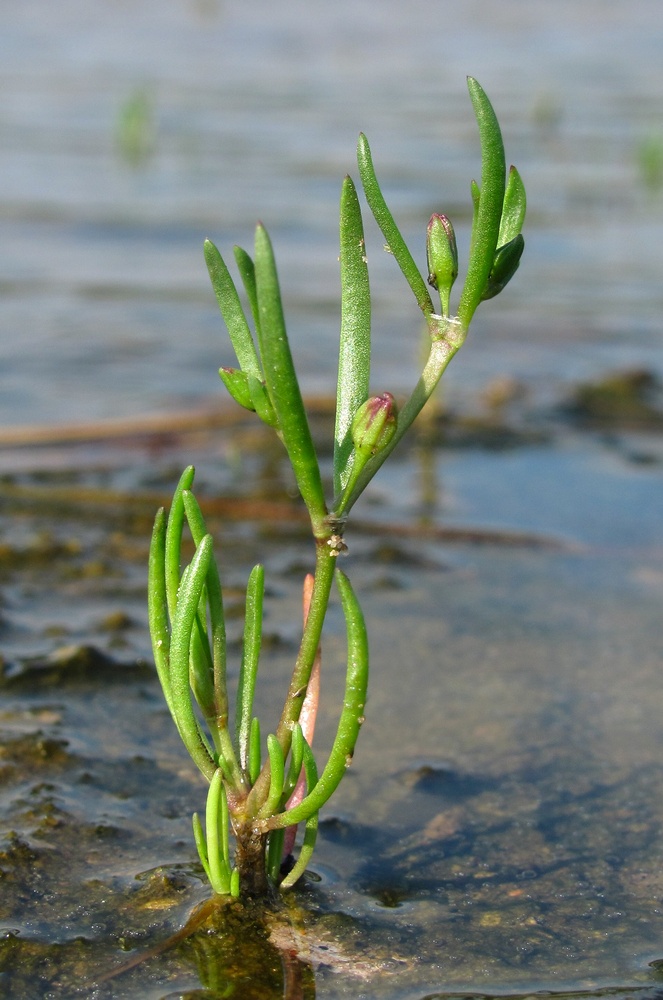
130	131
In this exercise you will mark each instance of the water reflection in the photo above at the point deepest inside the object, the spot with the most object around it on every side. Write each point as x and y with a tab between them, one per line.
256	114
236	957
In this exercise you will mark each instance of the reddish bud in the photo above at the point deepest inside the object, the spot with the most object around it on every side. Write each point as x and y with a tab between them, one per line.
374	424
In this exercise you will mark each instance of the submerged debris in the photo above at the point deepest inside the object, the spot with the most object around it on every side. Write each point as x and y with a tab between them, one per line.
626	399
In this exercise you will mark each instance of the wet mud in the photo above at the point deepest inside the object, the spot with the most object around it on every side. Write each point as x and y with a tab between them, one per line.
500	829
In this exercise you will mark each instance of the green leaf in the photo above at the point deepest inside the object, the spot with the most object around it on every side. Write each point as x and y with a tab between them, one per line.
255	753
214	598
216	828
282	384
354	359
475	193
311	830
514	208
248	671
385	220
237	384
486	227
274	853
201	672
208	669
277	777
261	403
173	544
231	310
247	273
390	230
505	265
296	759
157	606
201	845
193	581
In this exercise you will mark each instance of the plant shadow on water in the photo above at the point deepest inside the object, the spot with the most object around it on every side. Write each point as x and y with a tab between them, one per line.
517	850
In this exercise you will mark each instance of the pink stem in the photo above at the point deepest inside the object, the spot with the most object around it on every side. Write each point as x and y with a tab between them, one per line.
307	718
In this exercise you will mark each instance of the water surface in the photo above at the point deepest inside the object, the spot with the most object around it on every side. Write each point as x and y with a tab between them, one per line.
252	111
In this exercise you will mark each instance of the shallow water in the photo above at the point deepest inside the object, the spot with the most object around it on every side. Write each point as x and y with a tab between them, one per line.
499	831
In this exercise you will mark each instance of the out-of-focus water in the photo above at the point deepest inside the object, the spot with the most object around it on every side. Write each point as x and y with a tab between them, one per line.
251	110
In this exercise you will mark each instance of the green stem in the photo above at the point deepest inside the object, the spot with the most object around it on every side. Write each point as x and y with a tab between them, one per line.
447	336
324	575
350	722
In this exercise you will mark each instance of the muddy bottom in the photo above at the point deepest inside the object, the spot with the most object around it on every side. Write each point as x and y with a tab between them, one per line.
499	831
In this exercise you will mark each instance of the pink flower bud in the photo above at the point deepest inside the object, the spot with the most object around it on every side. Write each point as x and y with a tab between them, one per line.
374	424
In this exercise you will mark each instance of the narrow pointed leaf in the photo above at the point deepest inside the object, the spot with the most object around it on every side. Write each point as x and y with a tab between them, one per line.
255	754
157	605
237	384
390	230
277	778
216	715
214	595
231	310
216	818
514	209
201	846
250	658
354	358
174	539
261	402
505	265
282	384
247	273
201	671
274	854
475	193
191	587
486	227
296	759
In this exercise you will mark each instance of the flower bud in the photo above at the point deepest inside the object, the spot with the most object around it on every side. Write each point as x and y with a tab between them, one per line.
442	255
374	424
